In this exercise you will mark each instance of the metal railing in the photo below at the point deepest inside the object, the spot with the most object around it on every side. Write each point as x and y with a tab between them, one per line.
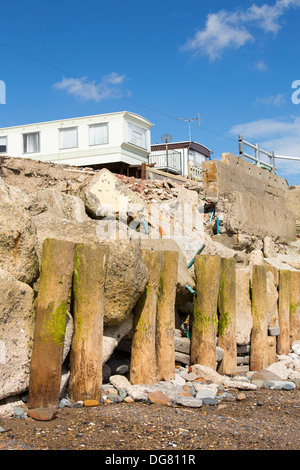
257	155
167	160
195	172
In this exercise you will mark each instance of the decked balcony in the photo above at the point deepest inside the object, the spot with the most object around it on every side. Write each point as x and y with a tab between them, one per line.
166	160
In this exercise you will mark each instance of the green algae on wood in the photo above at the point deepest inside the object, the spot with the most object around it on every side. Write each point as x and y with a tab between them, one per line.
86	350
54	323
50	321
143	349
227	317
205	319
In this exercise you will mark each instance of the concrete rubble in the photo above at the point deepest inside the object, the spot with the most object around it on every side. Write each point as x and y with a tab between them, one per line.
40	200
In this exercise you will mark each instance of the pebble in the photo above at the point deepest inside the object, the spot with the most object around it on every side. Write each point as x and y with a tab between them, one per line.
90	403
189	401
206	393
64	402
191	387
210	401
159	398
114	398
241	396
280	385
19	412
128	400
42	414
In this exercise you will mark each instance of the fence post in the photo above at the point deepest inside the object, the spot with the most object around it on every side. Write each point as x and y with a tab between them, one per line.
241	146
273	162
257	155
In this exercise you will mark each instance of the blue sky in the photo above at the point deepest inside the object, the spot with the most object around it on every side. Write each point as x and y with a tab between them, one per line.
232	63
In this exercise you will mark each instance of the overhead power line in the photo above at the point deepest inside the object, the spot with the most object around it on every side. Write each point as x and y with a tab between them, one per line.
190	121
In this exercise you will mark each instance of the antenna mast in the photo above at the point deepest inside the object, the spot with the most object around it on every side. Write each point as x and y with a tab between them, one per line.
189	120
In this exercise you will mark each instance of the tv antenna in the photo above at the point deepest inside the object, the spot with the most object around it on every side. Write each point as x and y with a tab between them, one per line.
189	120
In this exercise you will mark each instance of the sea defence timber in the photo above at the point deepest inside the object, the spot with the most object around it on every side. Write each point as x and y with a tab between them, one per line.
81	268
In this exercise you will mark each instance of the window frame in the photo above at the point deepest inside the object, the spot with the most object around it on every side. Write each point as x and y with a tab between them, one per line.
95	125
6	137
59	137
135	128
25	134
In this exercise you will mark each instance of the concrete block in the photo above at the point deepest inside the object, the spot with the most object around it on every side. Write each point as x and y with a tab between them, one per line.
273	331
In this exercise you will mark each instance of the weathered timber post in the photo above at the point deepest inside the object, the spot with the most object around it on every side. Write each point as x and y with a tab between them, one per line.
165	320
49	334
227	317
86	349
283	340
271	349
295	307
205	318
143	349
259	333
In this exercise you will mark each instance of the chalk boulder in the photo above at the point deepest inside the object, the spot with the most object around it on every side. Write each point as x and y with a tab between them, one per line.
16	334
17	242
106	196
57	203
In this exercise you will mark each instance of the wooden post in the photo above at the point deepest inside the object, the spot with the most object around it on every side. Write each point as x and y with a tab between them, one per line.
227	317
165	321
295	307
86	349
205	319
259	334
283	340
143	349
144	172
49	334
271	349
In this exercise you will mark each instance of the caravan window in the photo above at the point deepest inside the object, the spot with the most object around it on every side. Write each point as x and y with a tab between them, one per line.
98	134
31	142
137	135
68	138
3	144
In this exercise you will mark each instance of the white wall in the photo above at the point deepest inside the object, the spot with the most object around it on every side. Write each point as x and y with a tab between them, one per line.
83	154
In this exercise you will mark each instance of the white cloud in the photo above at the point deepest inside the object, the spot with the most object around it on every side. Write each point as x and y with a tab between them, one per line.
280	135
108	87
261	66
222	30
269	128
226	29
273	100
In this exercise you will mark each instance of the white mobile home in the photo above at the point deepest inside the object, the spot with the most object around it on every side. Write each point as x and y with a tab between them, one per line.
113	140
178	157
